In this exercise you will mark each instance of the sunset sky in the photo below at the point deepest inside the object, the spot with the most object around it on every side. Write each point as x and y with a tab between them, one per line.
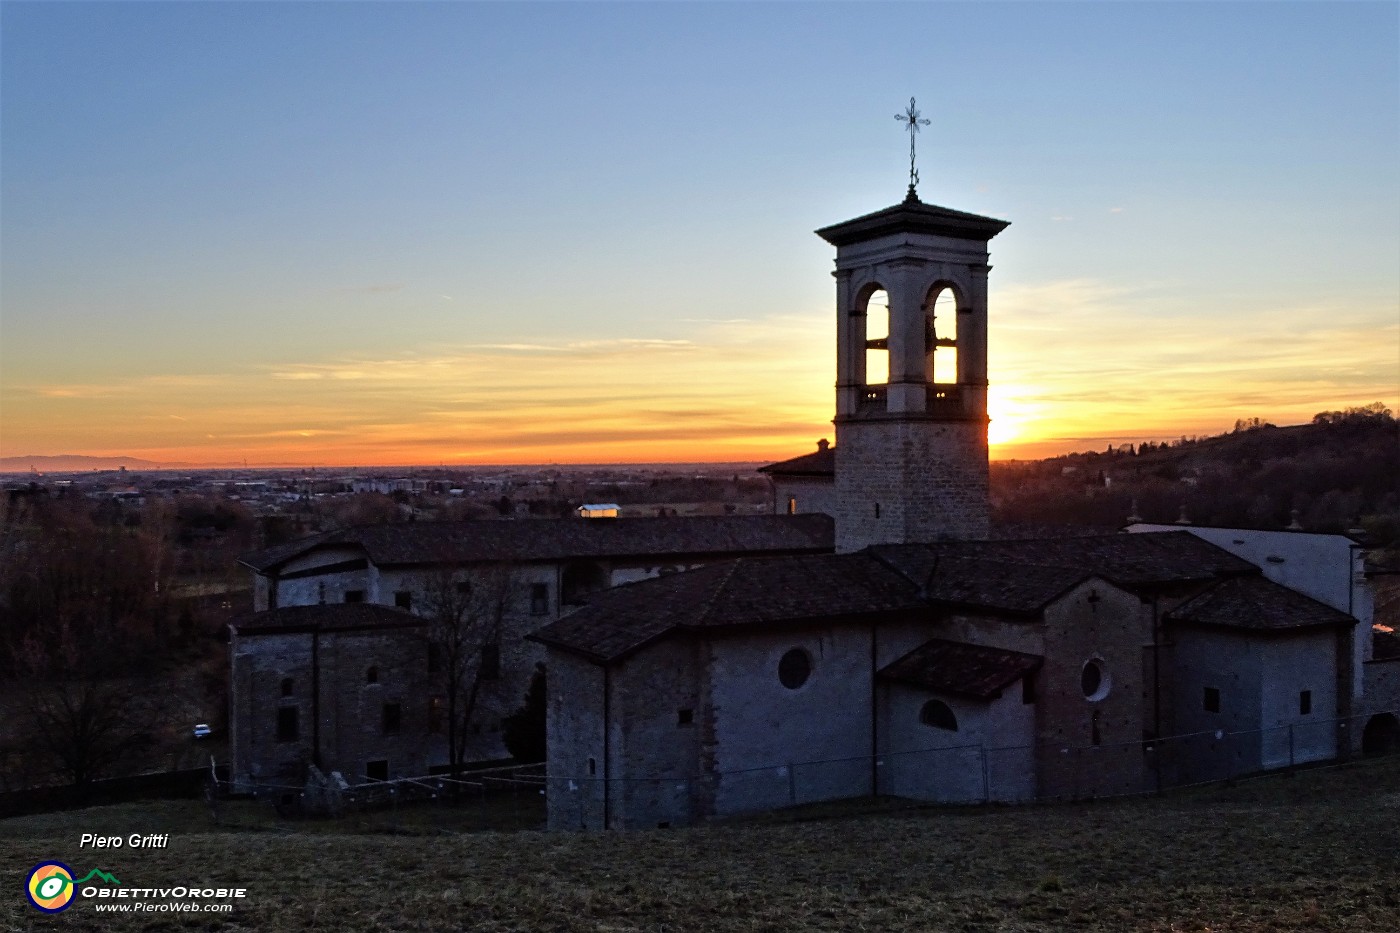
402	233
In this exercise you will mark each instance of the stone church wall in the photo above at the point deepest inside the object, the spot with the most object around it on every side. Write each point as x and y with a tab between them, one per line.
910	481
1100	625
574	733
660	724
971	764
764	730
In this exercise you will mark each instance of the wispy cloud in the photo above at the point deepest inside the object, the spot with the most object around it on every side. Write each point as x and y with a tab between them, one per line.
1074	361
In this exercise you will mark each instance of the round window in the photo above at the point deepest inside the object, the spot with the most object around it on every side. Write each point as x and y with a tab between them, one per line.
794	668
1094	680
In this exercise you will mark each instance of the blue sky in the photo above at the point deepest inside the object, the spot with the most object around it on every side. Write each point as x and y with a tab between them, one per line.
299	232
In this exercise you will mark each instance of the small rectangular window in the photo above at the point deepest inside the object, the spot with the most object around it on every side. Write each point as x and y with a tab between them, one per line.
1210	701
1305	703
491	661
393	718
792	505
287	730
377	770
685	717
464	589
403	599
539	599
1028	688
354	596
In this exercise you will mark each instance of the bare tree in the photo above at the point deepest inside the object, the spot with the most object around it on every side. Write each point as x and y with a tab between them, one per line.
466	614
85	711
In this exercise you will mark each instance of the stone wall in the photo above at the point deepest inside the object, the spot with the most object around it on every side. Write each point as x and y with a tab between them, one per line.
574	729
902	481
1100	625
988	756
762	729
339	712
660	725
801	495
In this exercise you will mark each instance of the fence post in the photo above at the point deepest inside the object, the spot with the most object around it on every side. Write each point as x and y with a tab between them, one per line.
986	777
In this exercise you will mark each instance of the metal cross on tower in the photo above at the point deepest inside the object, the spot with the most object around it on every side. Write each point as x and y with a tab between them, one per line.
911	121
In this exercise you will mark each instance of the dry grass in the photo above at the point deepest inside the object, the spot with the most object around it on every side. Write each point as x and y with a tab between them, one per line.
1317	851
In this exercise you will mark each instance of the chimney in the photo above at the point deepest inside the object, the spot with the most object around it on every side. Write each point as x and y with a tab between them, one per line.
823	444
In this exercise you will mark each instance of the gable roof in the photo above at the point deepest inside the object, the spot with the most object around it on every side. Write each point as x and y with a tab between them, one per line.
744	592
820	462
560	539
1258	604
1131	561
961	669
980	583
329	617
890	581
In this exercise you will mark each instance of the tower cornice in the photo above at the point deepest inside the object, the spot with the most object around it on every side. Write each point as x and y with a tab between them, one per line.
913	217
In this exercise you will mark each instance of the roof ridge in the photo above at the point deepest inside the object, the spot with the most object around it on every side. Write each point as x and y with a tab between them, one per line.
709	604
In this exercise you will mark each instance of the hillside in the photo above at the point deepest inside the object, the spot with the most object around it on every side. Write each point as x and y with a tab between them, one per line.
1312	851
1337	474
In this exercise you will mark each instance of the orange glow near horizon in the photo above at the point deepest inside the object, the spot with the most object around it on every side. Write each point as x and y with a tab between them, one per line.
1075	374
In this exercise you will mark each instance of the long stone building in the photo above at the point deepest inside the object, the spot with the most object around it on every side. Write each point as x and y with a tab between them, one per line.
313	628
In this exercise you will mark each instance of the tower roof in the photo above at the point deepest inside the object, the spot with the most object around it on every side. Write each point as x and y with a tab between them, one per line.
914	216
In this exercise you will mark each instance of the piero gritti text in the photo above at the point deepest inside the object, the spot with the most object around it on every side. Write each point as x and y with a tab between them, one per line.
134	841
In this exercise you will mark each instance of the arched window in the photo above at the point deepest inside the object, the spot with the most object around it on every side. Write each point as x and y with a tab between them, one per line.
877	338
938	714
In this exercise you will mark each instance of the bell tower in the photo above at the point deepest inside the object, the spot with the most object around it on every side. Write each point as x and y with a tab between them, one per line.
911	398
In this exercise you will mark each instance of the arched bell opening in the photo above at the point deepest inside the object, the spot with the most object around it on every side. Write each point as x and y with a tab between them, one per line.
876	310
941	306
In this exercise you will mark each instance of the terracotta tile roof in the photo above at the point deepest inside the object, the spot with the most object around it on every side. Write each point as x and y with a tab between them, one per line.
1011	577
1257	604
330	617
558	539
745	592
998	585
1131	561
961	669
821	462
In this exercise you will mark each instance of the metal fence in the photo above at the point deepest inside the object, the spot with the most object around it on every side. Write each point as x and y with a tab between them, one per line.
520	796
962	774
509	797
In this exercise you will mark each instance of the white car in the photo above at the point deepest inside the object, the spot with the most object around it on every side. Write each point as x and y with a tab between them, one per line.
202	730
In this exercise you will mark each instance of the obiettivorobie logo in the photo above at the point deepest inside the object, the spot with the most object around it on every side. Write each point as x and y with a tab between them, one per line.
51	885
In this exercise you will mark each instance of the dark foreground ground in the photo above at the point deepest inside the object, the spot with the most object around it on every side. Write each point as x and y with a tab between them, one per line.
1319	850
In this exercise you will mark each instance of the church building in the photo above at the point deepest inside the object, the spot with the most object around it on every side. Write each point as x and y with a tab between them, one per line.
928	658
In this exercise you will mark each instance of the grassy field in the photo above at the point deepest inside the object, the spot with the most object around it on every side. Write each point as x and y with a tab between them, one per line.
1316	851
